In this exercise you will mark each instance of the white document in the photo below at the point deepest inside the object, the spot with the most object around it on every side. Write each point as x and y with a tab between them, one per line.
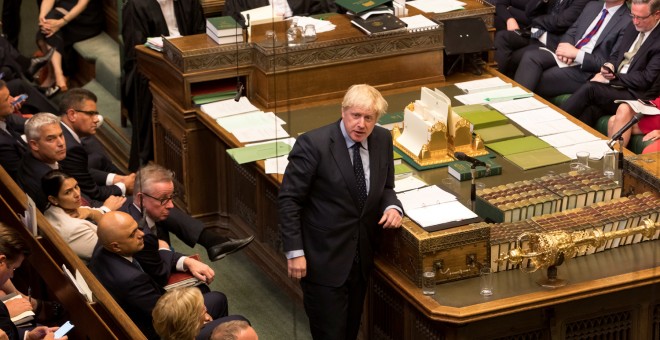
487	97
408	183
551	127
569	138
419	23
75	282
560	63
436	6
423	197
30	217
440	213
255	119
84	288
252	134
546	114
320	26
262	15
639	107
517	105
228	107
276	165
482	85
596	149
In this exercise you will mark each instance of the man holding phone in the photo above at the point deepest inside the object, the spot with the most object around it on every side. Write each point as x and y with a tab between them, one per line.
12	146
630	72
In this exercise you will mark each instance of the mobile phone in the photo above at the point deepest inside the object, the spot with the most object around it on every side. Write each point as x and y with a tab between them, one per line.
65	328
646	102
19	99
608	69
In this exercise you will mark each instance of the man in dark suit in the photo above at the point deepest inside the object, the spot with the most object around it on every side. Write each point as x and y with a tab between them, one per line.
336	196
153	197
585	46
510	15
629	72
116	267
79	119
550	19
46	148
12	146
13	250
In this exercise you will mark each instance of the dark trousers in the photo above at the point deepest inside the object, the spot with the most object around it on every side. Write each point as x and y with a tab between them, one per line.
509	50
335	312
538	71
594	100
36	101
186	228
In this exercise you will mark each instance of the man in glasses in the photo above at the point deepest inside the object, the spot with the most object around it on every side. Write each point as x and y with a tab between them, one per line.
152	205
80	119
629	73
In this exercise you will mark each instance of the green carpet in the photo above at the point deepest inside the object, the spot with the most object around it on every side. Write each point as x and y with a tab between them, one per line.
273	314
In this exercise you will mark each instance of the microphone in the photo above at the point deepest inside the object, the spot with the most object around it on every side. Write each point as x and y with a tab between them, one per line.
239	91
625	128
463	157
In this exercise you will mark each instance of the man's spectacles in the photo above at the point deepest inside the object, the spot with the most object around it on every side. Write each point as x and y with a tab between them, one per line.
640	18
91	113
162	201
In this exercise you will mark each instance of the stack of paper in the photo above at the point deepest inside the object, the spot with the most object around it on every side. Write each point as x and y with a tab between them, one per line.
228	107
434	209
319	25
482	85
517	105
494	96
419	22
437	6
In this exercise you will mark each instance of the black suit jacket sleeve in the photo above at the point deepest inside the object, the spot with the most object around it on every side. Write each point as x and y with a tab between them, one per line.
645	67
507	9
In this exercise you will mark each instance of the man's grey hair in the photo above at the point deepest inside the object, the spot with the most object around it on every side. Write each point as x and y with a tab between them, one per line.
35	123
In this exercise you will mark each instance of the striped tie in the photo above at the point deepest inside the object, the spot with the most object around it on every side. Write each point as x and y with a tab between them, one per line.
593	32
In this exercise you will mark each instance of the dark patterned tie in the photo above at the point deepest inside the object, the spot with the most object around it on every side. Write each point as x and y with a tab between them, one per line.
137	265
359	175
593	32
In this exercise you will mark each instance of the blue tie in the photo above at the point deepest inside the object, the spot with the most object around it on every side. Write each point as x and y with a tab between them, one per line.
359	175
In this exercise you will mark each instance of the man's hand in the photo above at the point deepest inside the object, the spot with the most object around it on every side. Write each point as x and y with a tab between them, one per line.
512	24
607	71
114	202
42	332
600	78
129	181
566	52
18	306
391	219
199	270
297	267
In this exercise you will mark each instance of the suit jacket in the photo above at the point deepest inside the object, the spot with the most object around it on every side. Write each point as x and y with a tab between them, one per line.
506	9
100	165
158	263
79	234
644	67
133	289
555	24
76	164
7	325
318	202
30	172
12	146
606	40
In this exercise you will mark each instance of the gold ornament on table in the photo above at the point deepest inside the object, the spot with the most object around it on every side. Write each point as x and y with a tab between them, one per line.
549	250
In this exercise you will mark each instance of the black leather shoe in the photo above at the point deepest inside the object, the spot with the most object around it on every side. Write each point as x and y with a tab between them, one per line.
37	63
221	250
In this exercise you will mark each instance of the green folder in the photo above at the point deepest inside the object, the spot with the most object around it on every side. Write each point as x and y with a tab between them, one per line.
499	133
257	152
537	158
518	145
402	168
359	6
484	119
460	110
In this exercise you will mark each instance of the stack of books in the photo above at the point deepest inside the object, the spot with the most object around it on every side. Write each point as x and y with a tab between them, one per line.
224	30
183	279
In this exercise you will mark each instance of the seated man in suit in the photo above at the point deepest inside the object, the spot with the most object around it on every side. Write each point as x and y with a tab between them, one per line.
630	71
79	116
13	250
116	267
585	47
154	191
46	149
12	146
550	19
510	15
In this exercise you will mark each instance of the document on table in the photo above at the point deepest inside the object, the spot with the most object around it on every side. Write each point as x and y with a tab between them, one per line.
255	119
436	6
517	105
228	107
257	152
493	96
276	165
482	85
596	149
423	197
250	134
408	183
535	116
447	212
550	128
569	138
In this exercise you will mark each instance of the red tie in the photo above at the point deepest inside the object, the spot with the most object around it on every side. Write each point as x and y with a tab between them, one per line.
593	32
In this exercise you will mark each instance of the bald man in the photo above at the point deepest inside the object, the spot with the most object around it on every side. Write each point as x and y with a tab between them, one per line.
115	266
237	330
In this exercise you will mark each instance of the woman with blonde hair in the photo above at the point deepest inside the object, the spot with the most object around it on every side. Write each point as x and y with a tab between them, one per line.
180	314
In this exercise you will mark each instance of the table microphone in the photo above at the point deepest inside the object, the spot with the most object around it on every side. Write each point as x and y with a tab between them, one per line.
239	91
635	119
463	157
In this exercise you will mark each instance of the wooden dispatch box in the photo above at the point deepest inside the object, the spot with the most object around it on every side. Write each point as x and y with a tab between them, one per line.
456	252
